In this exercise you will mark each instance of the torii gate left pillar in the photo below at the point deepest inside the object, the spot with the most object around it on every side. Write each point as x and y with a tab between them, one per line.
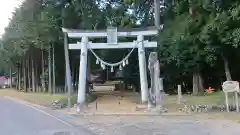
84	45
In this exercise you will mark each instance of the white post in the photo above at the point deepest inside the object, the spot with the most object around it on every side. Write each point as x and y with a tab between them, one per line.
179	94
226	101
82	71
236	100
142	69
161	90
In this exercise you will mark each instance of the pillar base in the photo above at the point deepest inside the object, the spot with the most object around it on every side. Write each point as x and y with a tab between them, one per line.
144	103
81	108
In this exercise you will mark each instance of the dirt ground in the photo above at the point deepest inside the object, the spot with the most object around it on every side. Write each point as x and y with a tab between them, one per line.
127	104
214	123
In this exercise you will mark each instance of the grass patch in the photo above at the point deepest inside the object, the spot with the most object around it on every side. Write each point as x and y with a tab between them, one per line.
43	99
215	98
89	98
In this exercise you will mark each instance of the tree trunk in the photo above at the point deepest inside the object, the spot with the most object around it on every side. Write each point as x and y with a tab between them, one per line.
29	74
226	68
88	79
88	74
19	77
10	74
74	75
49	72
53	68
197	83
43	74
33	77
200	83
36	77
157	13
65	86
68	70
24	76
72	63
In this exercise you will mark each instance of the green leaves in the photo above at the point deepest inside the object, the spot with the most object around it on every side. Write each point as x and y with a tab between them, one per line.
208	33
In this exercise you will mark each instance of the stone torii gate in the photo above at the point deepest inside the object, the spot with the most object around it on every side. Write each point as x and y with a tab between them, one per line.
112	35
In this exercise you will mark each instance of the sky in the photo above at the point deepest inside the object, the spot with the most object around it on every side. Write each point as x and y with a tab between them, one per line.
6	9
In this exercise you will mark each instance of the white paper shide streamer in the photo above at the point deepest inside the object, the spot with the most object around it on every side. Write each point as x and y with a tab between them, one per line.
119	64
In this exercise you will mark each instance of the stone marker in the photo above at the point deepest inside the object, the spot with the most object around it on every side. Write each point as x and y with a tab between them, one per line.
231	86
179	94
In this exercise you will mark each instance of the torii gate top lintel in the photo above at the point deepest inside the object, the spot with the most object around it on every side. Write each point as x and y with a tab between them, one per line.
121	32
133	32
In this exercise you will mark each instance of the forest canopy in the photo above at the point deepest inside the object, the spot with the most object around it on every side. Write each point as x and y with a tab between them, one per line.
198	46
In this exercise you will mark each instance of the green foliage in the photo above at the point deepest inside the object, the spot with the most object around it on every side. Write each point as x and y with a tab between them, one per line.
197	34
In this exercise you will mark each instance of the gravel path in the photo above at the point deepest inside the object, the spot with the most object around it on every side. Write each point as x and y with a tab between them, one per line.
110	125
